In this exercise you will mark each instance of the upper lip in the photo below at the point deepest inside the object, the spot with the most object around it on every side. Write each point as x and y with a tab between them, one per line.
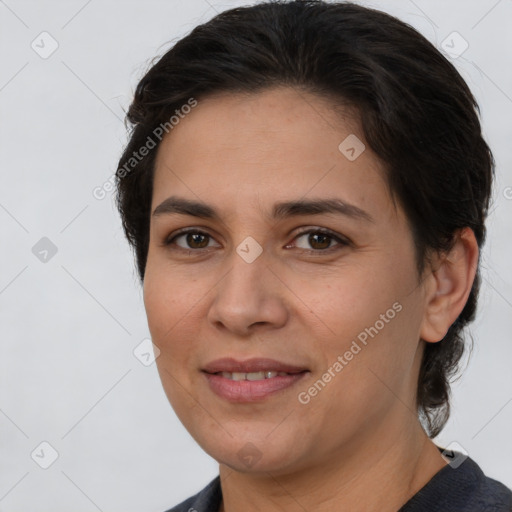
258	364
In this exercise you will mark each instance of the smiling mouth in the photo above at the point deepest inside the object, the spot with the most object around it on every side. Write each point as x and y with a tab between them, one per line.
252	380
239	387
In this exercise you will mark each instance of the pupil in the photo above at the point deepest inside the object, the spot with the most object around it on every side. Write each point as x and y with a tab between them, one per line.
194	240
314	244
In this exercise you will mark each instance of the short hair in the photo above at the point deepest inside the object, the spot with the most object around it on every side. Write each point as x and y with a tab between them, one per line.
416	112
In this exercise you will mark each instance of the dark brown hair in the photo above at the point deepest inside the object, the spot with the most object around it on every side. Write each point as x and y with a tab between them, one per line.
417	114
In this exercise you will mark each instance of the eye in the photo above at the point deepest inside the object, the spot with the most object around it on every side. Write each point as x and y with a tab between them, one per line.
320	240
192	239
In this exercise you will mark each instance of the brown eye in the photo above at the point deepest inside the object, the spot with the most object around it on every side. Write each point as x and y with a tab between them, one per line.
196	240
188	240
319	240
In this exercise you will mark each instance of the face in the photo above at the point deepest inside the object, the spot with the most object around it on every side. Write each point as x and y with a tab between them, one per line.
295	261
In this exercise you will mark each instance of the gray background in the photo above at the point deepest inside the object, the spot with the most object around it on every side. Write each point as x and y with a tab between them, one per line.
70	324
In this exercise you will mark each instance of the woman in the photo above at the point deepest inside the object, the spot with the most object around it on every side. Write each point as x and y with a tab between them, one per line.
305	189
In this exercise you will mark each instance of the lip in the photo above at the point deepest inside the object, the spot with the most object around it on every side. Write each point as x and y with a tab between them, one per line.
251	391
259	364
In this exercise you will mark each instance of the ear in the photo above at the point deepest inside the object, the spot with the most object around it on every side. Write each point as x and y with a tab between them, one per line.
449	285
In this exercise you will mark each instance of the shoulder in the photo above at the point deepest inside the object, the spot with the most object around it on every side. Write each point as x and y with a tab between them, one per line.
206	500
493	496
461	489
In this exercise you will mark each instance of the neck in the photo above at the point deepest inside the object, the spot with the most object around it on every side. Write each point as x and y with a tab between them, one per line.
379	474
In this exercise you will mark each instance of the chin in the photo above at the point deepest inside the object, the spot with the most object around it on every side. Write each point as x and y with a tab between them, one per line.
251	454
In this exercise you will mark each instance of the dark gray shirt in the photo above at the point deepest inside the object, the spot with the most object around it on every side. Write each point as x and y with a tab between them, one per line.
464	489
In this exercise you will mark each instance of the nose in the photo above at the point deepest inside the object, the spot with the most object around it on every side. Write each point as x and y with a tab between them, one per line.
249	298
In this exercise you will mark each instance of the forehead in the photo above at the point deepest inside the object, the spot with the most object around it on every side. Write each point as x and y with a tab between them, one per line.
280	143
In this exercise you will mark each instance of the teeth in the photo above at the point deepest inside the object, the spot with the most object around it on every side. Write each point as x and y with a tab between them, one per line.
252	375
256	376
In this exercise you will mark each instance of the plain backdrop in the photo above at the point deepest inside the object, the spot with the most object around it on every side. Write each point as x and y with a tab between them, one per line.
71	308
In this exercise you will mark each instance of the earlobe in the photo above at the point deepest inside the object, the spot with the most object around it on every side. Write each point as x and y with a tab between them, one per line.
450	285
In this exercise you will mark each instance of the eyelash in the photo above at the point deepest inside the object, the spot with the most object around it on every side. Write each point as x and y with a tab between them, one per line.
342	242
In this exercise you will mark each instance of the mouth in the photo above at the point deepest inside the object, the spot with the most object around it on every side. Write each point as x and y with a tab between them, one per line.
252	380
252	376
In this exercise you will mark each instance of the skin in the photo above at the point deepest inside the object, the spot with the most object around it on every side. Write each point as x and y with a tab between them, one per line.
357	445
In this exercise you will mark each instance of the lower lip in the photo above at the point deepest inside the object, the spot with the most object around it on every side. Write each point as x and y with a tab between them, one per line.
250	390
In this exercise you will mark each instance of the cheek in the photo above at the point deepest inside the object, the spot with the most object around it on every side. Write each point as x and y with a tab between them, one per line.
349	303
166	312
168	297
373	375
376	320
171	323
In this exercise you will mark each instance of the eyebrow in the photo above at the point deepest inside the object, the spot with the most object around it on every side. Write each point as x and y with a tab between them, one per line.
282	210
